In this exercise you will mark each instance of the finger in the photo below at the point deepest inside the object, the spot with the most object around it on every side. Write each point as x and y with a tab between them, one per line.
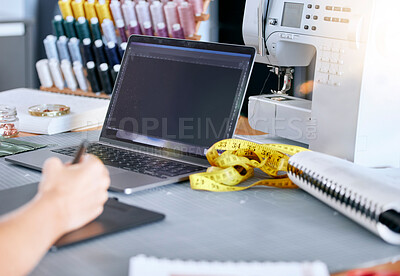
52	164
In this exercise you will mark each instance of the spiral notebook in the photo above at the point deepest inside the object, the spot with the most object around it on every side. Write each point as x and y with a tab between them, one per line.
370	197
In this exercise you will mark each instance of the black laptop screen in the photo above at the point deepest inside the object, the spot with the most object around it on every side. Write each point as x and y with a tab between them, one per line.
171	95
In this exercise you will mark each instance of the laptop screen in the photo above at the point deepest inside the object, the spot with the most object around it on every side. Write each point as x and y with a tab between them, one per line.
176	94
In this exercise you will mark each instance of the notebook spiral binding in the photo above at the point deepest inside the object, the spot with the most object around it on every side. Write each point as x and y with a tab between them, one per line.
342	195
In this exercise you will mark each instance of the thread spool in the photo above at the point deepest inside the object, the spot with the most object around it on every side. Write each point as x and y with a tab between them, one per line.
88	50
77	8
112	54
90	10
178	2
95	28
171	15
157	13
198	6
116	12
43	70
82	28
103	11
164	2
162	30
177	31
114	72
99	52
63	48
134	28
105	78
109	31
143	14
186	17
128	11
147	29
121	29
58	27
56	74
122	49
80	76
50	47
65	8
69	76
74	50
69	27
93	77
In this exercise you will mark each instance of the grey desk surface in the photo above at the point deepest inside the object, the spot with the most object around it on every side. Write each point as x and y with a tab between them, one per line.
255	225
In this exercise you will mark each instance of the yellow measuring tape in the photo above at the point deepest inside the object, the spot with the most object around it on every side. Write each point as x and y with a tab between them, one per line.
233	161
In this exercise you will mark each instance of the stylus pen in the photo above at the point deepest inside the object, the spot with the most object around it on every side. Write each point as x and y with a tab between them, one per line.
82	149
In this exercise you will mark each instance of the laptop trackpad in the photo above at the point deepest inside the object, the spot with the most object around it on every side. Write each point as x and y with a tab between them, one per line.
126	181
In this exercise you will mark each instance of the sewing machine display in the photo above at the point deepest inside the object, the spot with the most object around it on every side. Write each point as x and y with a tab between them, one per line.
339	57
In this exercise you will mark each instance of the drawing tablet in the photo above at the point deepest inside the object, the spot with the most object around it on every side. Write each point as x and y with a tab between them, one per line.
116	217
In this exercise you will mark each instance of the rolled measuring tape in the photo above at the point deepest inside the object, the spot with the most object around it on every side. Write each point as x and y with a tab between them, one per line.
233	161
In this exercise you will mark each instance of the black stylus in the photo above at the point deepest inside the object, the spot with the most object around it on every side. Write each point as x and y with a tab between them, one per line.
82	149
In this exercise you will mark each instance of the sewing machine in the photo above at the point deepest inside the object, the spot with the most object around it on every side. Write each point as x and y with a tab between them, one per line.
338	59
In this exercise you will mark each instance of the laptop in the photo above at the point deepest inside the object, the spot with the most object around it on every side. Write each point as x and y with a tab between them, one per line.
173	99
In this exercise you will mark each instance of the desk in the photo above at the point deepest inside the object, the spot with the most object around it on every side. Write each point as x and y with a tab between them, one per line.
183	233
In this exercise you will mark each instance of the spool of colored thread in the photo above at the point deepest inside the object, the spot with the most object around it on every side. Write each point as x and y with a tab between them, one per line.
143	14
88	50
134	28
171	15
164	2
122	49
109	31
112	54
95	27
90	10
121	29
116	12
93	77
177	31
69	27
103	11
42	67
105	78
69	76
99	52
162	30
65	8
186	17
198	6
62	46
74	50
77	8
157	13
56	74
114	72
178	2
58	26
82	28
148	30
80	76
128	10
50	47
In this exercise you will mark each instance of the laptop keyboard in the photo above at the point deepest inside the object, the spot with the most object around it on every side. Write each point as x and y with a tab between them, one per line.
135	161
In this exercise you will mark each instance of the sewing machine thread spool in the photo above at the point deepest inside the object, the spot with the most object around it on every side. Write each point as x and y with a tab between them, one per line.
171	15
109	31
82	28
62	46
178	2
73	46
122	31
112	54
105	78
198	6
162	30
58	27
69	76
95	28
56	74
42	67
103	11
143	14
65	8
93	77
51	47
128	10
147	28
115	7
90	10
134	28
77	8
186	17
99	52
157	13
69	27
115	71
80	76
122	49
177	31
88	50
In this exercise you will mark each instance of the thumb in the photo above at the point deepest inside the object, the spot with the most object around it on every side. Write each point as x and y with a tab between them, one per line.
51	165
